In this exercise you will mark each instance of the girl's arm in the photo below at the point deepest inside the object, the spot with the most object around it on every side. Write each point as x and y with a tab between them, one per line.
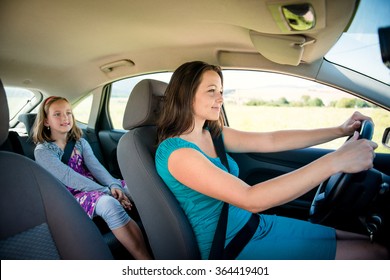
239	141
70	178
101	174
198	173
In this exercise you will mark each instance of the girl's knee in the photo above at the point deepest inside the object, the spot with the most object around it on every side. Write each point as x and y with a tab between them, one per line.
111	211
107	201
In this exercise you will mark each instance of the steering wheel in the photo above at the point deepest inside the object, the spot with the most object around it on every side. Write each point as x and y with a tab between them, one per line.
329	191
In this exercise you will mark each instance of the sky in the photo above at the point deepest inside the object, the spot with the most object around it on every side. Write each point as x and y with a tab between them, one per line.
359	48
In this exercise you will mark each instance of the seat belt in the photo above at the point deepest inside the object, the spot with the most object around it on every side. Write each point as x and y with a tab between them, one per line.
68	151
235	246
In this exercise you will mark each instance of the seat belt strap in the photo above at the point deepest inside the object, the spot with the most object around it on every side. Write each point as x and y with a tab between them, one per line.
218	245
68	151
235	246
242	238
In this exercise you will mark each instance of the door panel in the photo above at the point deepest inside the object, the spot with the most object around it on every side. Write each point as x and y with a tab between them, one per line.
382	163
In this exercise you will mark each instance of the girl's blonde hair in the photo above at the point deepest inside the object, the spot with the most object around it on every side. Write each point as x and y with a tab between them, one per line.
42	133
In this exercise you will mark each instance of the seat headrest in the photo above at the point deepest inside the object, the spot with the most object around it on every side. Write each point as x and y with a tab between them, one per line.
28	120
4	115
143	106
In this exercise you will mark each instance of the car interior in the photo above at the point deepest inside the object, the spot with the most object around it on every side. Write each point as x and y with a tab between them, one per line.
85	50
39	213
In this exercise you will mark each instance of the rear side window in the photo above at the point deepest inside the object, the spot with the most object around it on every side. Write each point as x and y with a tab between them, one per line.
83	109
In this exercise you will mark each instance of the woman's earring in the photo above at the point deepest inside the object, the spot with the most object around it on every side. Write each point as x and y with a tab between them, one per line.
48	127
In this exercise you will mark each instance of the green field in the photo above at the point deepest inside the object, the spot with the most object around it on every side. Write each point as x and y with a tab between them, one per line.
266	118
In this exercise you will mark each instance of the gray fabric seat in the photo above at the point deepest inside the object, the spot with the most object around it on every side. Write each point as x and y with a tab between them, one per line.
39	218
167	228
28	120
28	147
27	142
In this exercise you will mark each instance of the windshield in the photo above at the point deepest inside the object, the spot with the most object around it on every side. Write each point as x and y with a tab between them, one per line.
358	48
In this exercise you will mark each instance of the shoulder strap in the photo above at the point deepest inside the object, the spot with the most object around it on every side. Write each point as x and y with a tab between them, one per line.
220	149
218	245
68	151
235	246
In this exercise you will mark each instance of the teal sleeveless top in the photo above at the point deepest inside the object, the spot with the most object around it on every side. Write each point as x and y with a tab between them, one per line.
202	211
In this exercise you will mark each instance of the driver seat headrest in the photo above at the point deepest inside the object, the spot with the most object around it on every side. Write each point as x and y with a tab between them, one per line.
144	104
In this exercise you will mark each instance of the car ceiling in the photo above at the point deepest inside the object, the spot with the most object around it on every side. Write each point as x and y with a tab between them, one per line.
70	47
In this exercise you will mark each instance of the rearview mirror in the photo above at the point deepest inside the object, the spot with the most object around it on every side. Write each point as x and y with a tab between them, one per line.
386	138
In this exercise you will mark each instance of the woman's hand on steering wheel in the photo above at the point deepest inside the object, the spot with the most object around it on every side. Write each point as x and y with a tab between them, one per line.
355	155
354	123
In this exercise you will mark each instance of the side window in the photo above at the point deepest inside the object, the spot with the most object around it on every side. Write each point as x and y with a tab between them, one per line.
120	92
259	101
83	109
20	101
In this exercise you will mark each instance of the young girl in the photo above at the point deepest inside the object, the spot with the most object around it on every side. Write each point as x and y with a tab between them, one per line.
191	115
98	193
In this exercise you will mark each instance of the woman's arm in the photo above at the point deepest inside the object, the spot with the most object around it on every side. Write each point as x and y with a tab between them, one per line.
52	163
239	141
198	173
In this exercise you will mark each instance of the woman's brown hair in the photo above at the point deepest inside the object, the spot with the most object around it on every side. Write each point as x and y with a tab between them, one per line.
42	133
177	114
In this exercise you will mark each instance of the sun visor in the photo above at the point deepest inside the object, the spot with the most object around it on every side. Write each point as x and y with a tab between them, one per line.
282	49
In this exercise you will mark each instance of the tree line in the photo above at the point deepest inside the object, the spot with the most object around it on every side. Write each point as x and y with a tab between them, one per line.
308	101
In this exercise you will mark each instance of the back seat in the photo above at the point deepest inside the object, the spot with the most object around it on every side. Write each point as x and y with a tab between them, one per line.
24	145
20	144
12	144
28	145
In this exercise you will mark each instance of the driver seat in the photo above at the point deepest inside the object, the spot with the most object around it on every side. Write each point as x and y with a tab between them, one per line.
168	230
